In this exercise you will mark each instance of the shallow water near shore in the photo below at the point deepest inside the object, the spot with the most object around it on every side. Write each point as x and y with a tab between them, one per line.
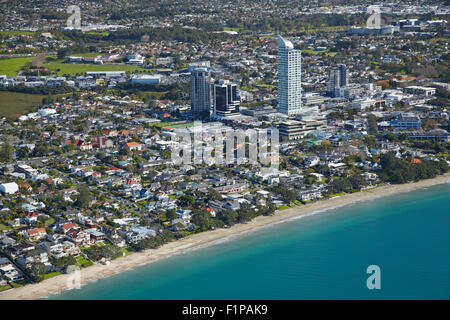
322	256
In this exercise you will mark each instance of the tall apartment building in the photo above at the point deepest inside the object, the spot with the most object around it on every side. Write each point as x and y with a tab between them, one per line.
338	78
200	90
343	75
226	99
289	78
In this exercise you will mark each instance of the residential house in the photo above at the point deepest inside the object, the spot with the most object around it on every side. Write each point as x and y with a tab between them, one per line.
79	237
36	234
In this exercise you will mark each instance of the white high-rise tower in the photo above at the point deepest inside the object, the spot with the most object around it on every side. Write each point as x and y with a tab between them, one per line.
289	78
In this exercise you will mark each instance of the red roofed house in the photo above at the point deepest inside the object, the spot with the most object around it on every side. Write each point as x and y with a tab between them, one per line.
31	217
85	146
66	227
91	225
36	234
211	212
132	146
161	195
96	175
26	186
131	184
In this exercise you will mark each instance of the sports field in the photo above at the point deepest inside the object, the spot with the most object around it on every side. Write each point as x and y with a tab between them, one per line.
67	68
13	104
10	66
17	33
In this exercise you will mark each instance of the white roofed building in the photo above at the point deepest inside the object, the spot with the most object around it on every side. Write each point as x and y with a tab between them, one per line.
9	188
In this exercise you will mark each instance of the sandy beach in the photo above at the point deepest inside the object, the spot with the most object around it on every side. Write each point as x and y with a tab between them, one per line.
95	272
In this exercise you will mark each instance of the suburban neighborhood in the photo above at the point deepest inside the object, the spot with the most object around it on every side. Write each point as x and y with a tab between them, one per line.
87	171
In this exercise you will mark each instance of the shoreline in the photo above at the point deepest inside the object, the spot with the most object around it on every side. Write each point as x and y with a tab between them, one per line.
58	283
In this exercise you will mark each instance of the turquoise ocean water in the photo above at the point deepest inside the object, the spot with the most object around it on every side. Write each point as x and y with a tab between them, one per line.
322	256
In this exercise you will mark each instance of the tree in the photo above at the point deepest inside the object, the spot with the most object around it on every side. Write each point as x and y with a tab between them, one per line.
22	153
6	151
83	197
124	151
41	149
285	193
64	262
214	194
370	142
347	184
186	200
171	214
372	122
37	271
148	243
152	104
391	137
202	220
397	170
244	216
310	179
228	217
47	100
63	52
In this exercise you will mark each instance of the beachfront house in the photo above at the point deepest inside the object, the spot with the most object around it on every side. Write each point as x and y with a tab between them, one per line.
309	194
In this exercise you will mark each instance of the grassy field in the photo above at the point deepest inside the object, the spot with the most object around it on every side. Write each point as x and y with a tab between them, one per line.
439	39
153	94
314	52
13	104
103	34
183	125
231	29
317	52
61	68
87	54
12	65
17	33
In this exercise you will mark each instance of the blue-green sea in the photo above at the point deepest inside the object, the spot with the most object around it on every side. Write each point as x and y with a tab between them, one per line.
322	256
